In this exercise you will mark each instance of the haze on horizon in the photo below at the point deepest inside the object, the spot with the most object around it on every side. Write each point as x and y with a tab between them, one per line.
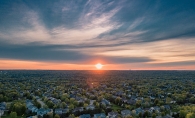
77	34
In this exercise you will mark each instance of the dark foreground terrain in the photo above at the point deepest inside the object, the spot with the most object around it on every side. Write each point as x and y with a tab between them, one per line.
86	94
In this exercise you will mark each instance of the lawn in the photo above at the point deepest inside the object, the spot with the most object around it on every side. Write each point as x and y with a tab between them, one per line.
116	107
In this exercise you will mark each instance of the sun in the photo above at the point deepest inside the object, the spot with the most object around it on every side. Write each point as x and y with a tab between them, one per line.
99	66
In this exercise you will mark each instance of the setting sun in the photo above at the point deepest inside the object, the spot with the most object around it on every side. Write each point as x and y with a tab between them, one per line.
98	66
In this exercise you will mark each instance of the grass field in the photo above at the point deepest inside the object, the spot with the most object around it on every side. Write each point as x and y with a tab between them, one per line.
116	107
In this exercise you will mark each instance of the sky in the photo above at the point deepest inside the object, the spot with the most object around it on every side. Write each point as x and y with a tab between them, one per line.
77	34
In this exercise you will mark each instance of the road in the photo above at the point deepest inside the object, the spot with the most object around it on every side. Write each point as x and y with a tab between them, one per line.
41	102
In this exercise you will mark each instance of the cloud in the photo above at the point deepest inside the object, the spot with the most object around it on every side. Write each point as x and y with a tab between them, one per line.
70	22
90	23
114	31
174	50
155	23
55	53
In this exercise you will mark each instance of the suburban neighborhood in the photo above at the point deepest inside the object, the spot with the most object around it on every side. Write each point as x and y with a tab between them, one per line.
95	95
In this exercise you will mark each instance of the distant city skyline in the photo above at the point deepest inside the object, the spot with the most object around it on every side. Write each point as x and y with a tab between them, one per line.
77	35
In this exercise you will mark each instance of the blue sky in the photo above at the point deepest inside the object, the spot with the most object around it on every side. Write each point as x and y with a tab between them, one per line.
133	34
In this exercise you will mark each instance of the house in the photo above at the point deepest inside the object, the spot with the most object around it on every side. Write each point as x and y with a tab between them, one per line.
32	108
167	107
161	96
104	86
90	107
1	112
153	109
100	115
113	114
133	97
125	113
65	110
129	95
119	93
156	108
173	102
91	102
41	112
138	110
54	100
3	106
131	101
28	104
80	101
78	109
72	96
85	116
124	100
114	97
152	98
140	98
58	111
105	102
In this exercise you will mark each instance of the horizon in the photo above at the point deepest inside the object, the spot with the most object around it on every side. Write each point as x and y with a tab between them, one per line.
86	70
78	35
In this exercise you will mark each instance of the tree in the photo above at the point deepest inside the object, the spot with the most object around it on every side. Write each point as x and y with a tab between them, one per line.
50	104
85	105
156	101
97	105
182	114
71	116
192	115
45	106
56	116
100	98
138	103
117	100
128	117
37	104
13	115
1	98
5	98
102	111
162	113
18	107
64	97
71	106
134	113
192	100
140	115
50	115
87	101
146	114
75	103
72	100
103	106
67	100
153	115
63	104
162	108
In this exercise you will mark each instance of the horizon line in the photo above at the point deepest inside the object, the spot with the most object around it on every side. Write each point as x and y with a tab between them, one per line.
96	70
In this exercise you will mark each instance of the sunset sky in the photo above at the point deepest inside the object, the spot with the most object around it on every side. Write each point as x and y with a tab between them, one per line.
77	34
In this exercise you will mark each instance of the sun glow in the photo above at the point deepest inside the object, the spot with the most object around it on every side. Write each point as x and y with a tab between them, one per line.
98	66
